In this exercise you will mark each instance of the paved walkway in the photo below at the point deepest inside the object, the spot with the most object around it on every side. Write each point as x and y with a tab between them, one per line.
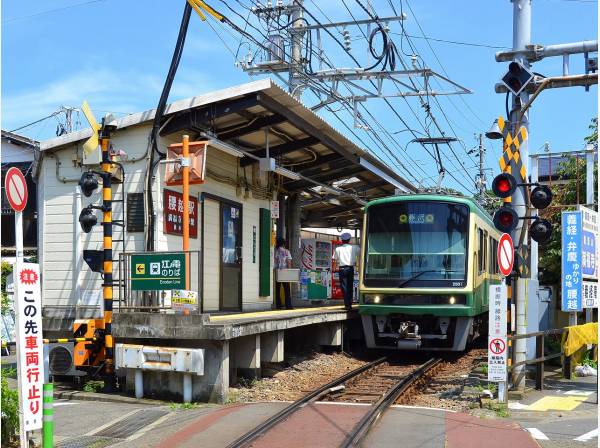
565	414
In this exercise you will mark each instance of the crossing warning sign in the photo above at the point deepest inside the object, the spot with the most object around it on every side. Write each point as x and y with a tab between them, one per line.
497	333
497	346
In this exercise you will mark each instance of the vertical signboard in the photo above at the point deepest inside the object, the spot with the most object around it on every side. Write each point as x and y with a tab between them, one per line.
173	213
571	261
497	343
589	243
30	358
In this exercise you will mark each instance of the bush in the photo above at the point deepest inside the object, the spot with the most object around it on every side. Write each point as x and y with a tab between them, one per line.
10	413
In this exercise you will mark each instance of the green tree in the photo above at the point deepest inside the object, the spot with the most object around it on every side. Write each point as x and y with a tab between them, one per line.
572	172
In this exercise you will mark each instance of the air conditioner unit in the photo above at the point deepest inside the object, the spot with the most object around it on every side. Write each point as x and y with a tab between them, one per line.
61	360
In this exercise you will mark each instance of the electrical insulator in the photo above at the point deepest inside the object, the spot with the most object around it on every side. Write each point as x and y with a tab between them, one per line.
347	42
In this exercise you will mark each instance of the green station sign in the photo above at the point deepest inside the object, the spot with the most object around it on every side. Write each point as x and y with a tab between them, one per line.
153	272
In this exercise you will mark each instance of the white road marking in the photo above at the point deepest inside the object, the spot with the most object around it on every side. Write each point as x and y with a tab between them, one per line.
63	403
421	407
142	431
516	405
537	434
112	422
585	393
588	435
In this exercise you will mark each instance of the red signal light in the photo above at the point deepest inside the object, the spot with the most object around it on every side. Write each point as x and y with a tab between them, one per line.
505	219
504	185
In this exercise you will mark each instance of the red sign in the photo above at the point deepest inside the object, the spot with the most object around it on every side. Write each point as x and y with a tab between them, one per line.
497	346
16	189
173	213
506	254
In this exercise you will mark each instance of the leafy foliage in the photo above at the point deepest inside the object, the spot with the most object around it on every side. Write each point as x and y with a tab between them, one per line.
567	194
10	415
6	271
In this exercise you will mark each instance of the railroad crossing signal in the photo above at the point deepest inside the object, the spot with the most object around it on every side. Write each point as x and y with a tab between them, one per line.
517	77
506	218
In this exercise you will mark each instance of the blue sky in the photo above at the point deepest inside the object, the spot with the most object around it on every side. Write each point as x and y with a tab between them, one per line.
115	54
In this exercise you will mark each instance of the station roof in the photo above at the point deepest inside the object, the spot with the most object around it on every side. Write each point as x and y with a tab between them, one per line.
299	140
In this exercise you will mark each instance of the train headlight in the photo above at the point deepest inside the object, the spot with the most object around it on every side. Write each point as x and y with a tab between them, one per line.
452	300
373	298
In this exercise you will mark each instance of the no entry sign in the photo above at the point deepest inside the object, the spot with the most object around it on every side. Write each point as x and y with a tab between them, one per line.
506	254
16	189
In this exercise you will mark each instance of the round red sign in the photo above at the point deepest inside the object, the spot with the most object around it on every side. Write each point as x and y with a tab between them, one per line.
497	346
506	254
16	189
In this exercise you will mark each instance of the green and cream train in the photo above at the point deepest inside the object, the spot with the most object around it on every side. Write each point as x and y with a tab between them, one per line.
427	262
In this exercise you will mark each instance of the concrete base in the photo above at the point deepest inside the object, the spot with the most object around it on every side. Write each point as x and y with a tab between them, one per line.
234	347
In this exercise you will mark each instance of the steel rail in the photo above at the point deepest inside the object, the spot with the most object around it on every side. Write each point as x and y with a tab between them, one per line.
284	413
362	427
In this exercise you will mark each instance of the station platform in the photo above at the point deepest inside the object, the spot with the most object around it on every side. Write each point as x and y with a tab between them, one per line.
231	345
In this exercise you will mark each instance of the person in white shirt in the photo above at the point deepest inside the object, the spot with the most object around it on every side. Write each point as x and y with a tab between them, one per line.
345	259
283	260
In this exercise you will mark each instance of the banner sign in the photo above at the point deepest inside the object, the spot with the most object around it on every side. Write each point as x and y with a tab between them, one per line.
30	345
497	343
173	213
571	261
157	271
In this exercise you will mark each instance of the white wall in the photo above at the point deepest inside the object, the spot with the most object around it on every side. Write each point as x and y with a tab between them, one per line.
59	223
12	153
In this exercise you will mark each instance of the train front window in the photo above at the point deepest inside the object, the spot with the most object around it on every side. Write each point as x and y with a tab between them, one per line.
416	244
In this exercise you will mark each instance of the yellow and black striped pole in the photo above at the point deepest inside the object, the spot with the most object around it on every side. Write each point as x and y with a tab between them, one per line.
66	340
107	268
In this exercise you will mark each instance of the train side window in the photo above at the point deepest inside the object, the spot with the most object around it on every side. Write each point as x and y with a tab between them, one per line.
494	256
486	266
480	252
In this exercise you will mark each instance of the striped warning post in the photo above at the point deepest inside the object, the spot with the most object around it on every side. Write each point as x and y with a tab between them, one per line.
65	340
48	417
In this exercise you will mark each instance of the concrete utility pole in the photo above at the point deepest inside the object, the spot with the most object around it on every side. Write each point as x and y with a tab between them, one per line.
521	39
295	84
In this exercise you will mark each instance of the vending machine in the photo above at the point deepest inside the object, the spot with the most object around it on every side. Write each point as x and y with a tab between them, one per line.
315	265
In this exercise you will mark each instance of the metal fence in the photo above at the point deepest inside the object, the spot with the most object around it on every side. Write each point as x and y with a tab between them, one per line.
153	301
540	357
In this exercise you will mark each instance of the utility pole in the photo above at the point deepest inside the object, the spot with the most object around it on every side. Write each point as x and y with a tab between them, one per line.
521	39
481	184
295	83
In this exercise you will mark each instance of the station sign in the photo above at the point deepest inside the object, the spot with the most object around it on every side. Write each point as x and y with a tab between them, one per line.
157	271
497	341
173	213
30	345
506	254
571	275
274	209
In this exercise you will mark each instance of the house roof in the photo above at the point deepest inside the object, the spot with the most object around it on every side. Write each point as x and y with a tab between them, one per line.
298	139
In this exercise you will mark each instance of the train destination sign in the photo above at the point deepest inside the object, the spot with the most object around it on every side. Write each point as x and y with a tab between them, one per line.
157	271
506	254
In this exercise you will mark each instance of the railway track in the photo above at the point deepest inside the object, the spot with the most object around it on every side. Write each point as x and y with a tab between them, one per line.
379	383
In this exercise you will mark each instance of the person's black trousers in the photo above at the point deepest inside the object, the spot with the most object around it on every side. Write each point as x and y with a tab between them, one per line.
283	295
347	284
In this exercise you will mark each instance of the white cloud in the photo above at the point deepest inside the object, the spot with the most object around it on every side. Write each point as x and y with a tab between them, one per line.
105	90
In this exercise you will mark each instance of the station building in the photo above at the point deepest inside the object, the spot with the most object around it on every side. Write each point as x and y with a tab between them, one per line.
260	145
